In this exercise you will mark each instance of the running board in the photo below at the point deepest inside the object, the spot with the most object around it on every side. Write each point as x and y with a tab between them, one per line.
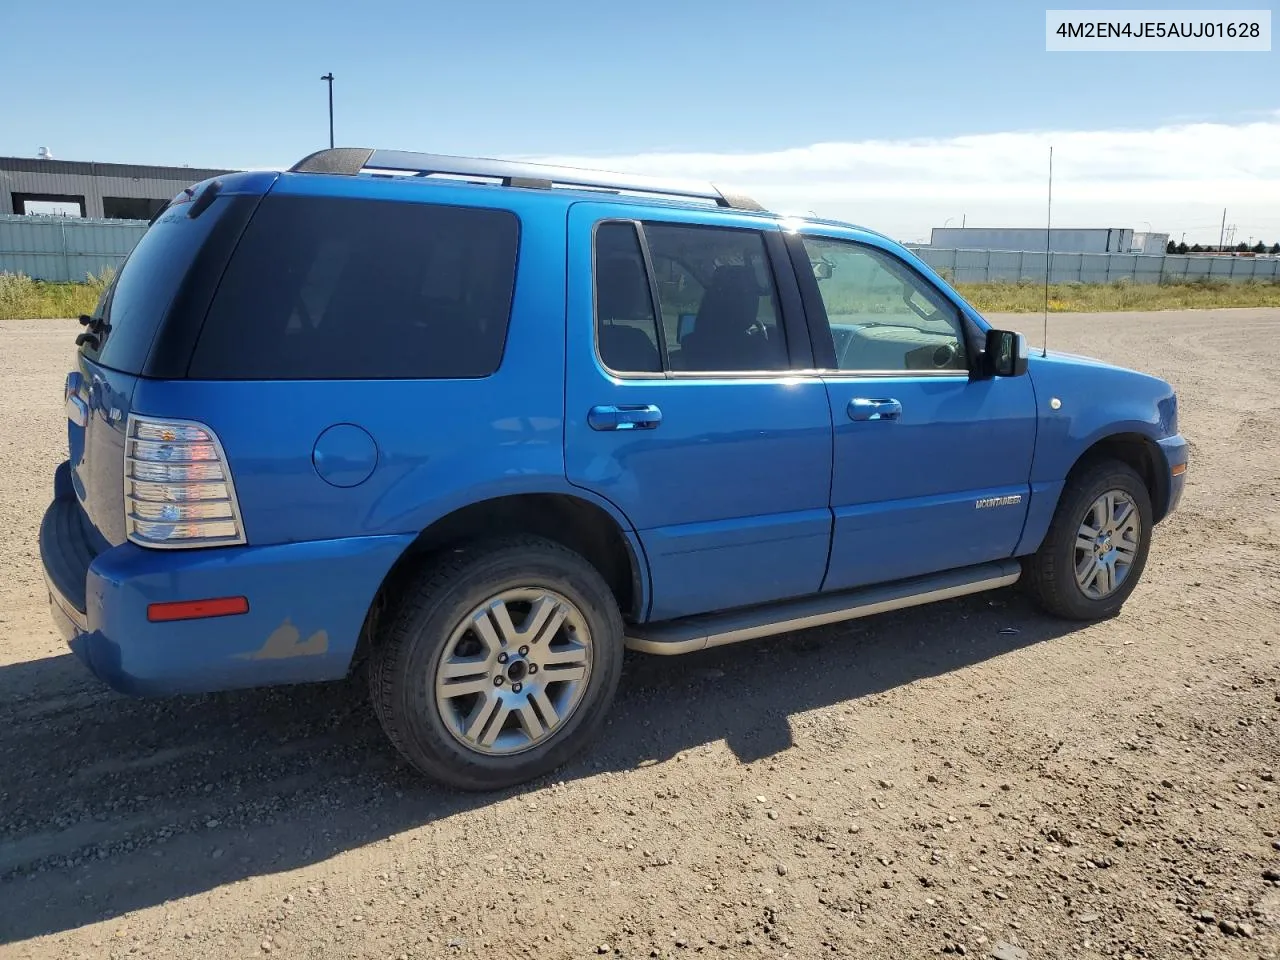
691	634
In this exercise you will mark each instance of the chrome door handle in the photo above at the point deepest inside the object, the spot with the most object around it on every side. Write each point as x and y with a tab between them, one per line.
626	417
865	408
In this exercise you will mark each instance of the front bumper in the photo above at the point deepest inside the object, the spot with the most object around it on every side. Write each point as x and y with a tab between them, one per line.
307	605
1175	455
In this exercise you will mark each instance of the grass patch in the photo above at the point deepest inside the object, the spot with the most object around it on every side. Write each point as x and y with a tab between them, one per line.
1028	297
22	298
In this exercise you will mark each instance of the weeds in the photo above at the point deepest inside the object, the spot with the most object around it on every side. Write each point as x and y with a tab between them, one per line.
21	297
24	298
1028	297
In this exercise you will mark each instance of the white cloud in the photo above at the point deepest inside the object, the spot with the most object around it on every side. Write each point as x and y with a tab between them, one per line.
1178	178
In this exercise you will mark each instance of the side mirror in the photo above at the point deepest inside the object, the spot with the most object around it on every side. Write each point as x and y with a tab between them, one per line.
822	269
1006	354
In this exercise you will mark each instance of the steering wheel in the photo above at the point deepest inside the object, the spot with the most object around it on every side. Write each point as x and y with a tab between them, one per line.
944	355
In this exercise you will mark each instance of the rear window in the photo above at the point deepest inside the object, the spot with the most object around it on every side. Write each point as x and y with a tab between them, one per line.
338	288
139	299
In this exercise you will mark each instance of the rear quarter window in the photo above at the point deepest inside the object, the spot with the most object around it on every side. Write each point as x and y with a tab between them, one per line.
338	288
138	301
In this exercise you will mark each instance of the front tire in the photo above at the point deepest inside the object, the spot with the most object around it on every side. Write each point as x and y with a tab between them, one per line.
1096	548
500	664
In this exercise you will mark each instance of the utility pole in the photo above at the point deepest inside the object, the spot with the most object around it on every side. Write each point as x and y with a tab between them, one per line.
328	78
1222	234
964	218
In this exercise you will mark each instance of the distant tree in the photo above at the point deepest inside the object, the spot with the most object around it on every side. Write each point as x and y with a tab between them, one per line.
1196	248
1242	247
1259	247
1275	248
1171	248
1182	247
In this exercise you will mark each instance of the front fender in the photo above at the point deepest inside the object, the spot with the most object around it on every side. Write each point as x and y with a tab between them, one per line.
1081	402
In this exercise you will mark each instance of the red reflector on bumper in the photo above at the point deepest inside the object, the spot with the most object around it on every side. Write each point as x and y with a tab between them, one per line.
196	609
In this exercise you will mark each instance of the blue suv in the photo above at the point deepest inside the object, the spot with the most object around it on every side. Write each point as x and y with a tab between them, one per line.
478	426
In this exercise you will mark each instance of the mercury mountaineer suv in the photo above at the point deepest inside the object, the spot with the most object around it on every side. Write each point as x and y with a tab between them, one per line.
478	426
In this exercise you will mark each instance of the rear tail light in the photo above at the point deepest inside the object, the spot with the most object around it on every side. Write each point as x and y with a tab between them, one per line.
177	486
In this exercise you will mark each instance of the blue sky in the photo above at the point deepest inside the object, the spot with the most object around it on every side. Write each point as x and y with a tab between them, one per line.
237	84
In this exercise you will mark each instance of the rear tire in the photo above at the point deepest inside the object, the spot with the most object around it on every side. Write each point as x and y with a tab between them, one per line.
500	663
1096	548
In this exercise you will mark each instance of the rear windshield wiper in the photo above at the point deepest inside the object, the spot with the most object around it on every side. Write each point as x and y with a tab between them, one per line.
97	328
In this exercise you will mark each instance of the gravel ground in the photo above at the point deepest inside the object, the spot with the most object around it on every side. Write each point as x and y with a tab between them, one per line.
971	778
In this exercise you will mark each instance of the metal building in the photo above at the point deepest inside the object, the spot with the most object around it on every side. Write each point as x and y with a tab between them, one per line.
1031	240
121	191
1150	243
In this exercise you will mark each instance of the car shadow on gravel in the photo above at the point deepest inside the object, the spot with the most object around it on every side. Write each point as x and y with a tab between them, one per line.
109	804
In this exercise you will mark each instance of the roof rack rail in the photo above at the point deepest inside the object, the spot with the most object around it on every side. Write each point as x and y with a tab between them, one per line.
352	160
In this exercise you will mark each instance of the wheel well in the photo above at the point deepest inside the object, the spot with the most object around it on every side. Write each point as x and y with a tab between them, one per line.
577	524
1141	454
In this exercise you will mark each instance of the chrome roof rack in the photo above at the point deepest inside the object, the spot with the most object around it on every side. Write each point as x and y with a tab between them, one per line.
352	160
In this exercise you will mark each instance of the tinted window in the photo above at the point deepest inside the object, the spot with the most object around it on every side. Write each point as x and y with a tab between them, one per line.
139	299
883	315
717	299
626	330
336	288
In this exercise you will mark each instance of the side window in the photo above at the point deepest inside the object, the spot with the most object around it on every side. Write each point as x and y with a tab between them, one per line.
883	316
626	330
718	302
679	294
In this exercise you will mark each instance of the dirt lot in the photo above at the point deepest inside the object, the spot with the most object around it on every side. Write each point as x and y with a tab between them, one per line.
965	778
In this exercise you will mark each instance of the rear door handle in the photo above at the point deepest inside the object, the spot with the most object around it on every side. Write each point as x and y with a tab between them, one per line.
643	416
865	408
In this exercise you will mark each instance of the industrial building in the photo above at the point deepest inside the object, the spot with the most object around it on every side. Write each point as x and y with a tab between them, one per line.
1061	240
121	191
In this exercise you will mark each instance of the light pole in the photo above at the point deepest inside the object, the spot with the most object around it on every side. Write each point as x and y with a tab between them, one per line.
328	78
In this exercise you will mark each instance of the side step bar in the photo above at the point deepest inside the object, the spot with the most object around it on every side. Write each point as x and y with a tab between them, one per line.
691	634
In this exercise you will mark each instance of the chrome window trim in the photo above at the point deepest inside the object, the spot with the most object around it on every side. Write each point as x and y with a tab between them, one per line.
857	374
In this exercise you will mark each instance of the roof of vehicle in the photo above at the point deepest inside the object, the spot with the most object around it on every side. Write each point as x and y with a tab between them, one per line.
573	182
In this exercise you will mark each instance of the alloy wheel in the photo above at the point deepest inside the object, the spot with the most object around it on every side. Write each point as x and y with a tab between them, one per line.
514	671
1107	544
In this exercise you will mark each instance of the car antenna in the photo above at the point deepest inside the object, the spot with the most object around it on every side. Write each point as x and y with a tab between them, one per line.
1048	223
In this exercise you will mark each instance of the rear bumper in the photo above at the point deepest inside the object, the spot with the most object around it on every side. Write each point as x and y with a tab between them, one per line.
1175	455
307	604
